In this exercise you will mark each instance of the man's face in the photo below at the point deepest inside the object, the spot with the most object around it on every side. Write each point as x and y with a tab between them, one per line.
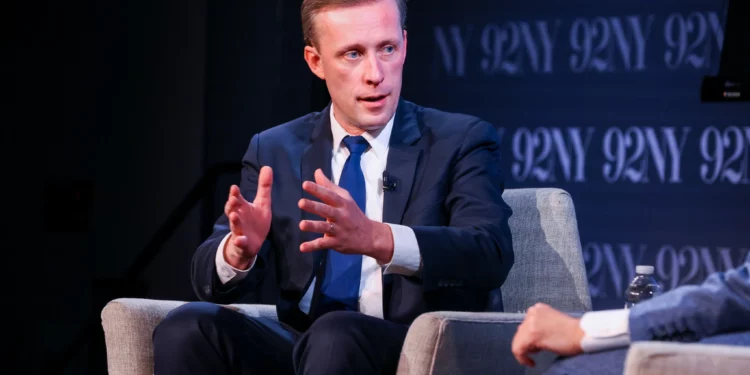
360	52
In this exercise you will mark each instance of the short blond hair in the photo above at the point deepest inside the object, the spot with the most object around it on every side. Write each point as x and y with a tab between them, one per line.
310	8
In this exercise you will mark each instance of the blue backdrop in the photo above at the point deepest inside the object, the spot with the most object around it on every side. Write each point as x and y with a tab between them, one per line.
602	99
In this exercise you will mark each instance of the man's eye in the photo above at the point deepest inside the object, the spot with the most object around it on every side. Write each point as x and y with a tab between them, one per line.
352	55
389	49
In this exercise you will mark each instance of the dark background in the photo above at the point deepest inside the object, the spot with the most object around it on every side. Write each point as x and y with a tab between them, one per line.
130	118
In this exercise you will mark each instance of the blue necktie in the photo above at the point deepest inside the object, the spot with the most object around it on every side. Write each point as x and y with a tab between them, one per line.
339	289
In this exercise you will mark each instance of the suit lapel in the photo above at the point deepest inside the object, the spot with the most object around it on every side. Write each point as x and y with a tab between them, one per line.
316	155
403	157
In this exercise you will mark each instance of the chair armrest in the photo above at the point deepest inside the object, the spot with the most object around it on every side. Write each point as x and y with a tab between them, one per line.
464	343
669	358
128	324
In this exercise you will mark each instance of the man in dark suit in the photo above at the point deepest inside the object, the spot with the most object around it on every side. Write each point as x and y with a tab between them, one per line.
715	312
375	210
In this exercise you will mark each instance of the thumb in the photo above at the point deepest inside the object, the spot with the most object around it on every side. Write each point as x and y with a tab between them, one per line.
263	195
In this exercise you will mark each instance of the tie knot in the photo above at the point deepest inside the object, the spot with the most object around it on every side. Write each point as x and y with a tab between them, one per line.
356	145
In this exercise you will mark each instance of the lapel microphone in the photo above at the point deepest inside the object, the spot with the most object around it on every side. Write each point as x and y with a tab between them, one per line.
389	184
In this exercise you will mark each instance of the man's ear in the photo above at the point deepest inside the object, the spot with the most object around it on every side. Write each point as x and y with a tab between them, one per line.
405	40
314	61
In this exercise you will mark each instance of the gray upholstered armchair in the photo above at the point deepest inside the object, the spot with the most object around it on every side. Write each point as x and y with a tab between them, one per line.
548	268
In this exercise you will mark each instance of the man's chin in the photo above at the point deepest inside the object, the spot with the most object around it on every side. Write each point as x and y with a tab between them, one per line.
373	125
371	122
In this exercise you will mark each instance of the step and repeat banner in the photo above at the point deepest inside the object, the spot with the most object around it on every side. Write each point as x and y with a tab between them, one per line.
602	99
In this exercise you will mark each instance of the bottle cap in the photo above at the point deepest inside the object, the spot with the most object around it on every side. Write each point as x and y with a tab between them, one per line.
644	270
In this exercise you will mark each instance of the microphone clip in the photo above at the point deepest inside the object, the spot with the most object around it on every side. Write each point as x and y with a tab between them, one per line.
389	184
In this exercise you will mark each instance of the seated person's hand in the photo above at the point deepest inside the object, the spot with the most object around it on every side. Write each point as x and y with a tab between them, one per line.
545	328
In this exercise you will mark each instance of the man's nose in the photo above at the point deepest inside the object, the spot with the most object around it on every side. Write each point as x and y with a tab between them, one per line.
374	71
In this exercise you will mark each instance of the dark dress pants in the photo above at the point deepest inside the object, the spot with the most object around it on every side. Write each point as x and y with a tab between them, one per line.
205	338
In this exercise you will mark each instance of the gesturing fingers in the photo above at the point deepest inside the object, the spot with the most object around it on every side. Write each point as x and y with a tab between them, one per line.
233	204
234	191
265	181
317	244
235	200
325	190
322	180
235	224
315	226
317	208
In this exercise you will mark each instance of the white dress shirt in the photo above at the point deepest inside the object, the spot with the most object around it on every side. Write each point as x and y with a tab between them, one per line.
406	257
603	330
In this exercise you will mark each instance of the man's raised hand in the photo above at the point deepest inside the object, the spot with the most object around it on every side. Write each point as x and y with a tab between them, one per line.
353	232
249	222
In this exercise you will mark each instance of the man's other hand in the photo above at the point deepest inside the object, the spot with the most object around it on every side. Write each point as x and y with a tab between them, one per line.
249	222
545	328
353	232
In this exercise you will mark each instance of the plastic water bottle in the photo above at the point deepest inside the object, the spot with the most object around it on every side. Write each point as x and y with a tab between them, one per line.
644	286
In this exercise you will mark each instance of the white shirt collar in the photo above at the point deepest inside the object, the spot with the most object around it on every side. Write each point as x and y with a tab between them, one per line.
378	139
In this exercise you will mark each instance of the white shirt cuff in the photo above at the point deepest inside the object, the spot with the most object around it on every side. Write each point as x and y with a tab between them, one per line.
226	272
406	257
605	330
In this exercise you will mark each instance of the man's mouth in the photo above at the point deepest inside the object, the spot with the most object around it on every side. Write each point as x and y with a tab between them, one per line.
373	98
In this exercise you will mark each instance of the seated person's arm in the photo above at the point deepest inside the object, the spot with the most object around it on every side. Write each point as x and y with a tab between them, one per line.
691	312
687	313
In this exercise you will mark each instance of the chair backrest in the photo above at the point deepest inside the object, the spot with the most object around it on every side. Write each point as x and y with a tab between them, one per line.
548	263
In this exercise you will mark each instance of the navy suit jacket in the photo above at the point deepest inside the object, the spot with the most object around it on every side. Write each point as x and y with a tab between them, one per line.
448	190
721	304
